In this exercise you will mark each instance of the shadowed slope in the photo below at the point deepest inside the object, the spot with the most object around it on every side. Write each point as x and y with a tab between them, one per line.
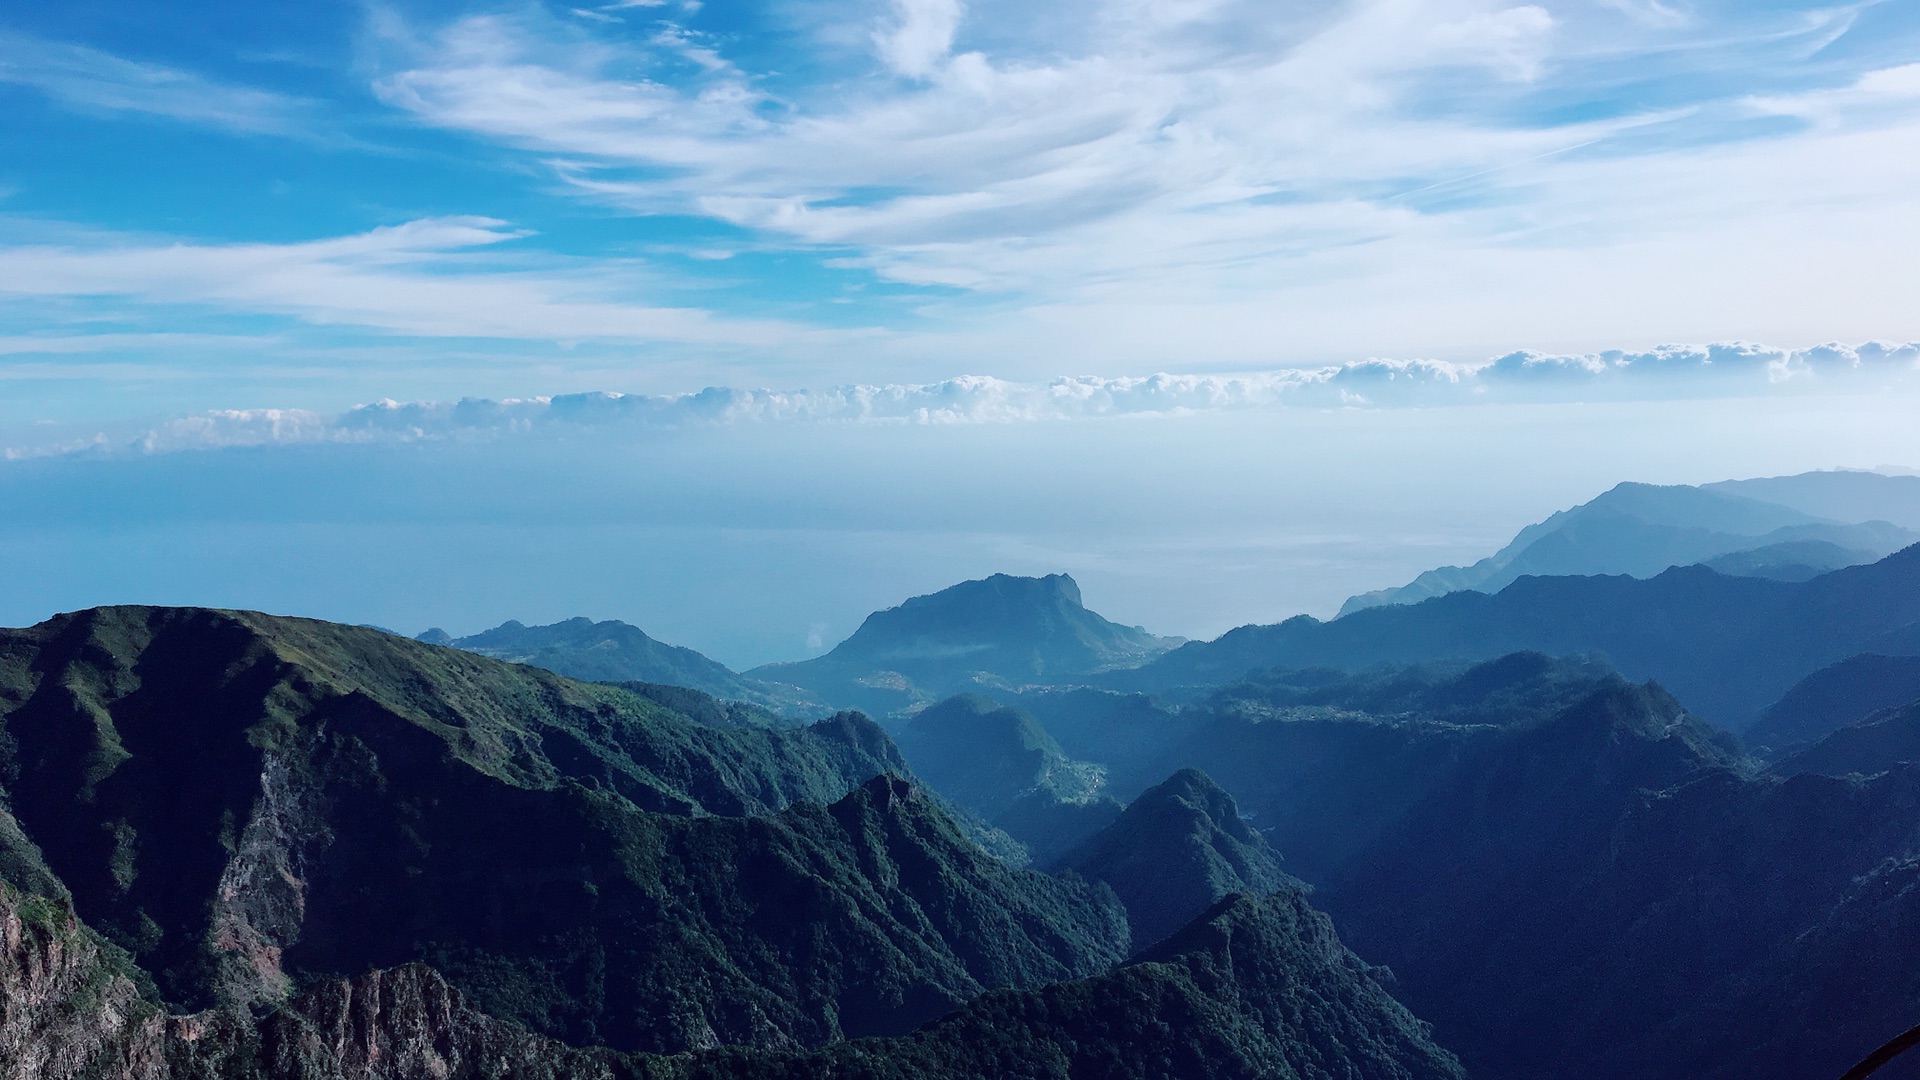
1254	988
1177	849
1835	696
996	761
1611	893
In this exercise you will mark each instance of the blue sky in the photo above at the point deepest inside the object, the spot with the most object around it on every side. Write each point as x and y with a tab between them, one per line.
224	205
223	226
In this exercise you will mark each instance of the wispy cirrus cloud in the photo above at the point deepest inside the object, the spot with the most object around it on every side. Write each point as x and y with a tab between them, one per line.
434	278
1117	141
96	81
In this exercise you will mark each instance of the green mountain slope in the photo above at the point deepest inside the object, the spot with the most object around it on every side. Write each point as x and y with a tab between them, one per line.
243	802
1254	988
1321	761
272	849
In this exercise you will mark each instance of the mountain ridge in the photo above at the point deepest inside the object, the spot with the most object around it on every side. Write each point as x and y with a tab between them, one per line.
614	651
1643	529
1728	645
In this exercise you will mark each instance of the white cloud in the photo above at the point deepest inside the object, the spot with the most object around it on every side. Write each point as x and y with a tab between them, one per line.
102	82
432	277
1218	142
919	35
1716	370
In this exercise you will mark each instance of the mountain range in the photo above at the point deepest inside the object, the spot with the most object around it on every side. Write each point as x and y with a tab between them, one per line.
244	845
1511	834
1567	873
1728	646
1643	529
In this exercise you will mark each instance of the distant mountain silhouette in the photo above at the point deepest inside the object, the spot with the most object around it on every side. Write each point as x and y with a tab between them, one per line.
614	651
1838	495
1728	646
1642	529
1119	730
1834	697
1790	560
1002	632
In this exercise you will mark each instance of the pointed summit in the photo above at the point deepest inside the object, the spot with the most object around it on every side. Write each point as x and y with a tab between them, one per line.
1178	848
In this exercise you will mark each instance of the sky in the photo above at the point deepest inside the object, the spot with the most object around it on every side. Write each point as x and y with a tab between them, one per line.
738	320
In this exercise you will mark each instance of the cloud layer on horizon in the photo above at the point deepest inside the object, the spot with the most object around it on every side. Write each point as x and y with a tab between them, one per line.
1728	369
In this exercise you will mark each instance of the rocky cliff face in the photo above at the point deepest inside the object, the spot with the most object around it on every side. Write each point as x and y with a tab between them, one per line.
70	1010
66	1008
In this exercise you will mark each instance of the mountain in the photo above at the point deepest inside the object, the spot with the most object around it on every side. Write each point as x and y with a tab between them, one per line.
1612	893
997	762
1569	874
1002	632
1323	762
614	651
1642	529
1838	495
1792	560
1254	987
1728	646
1102	725
1835	696
1879	742
243	803
261	848
1176	850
